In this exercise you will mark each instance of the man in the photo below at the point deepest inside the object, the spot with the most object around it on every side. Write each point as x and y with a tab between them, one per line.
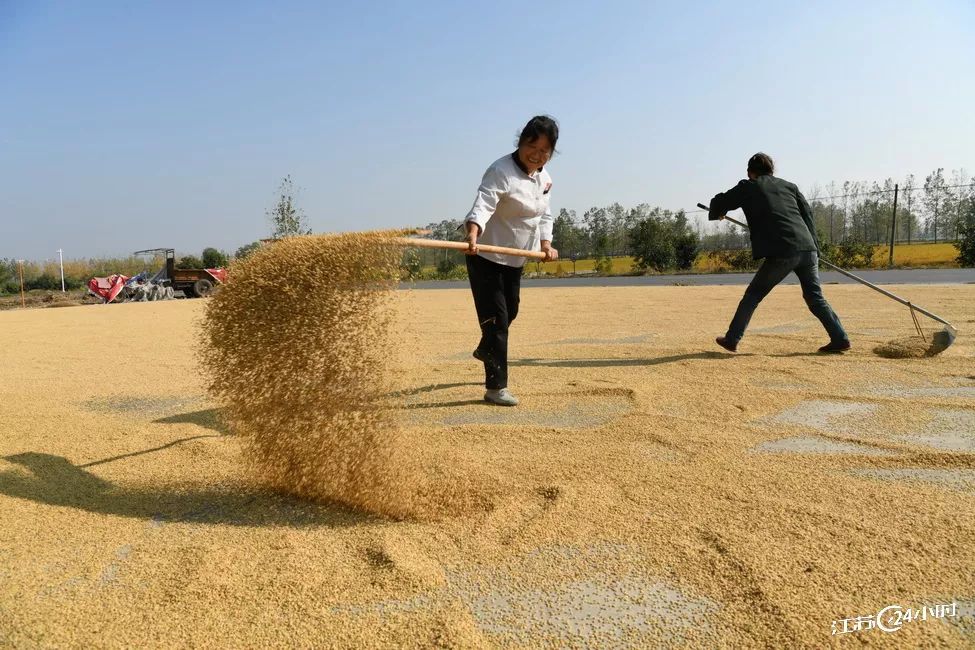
783	235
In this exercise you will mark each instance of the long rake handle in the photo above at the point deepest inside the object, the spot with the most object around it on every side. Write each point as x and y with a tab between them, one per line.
890	295
462	246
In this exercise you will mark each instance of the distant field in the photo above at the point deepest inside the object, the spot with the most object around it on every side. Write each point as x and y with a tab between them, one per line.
941	255
938	255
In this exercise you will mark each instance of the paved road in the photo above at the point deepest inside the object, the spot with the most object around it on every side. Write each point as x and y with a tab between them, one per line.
895	276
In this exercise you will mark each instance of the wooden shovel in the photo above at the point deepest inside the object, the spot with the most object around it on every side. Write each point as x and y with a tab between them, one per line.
462	246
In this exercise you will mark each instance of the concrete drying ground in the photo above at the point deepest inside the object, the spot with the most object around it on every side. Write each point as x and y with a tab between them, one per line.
650	491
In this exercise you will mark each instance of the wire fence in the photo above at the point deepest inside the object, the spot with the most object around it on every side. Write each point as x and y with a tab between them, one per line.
899	214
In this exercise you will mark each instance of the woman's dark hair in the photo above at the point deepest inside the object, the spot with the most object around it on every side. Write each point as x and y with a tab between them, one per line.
761	164
538	126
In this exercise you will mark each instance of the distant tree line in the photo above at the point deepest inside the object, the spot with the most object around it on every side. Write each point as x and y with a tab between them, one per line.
850	218
211	258
657	239
46	275
930	211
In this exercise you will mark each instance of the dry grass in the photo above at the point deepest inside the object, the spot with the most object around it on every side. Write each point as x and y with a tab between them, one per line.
38	298
918	255
626	504
925	255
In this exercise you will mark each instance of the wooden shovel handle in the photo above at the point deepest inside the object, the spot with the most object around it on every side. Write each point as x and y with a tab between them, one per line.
462	246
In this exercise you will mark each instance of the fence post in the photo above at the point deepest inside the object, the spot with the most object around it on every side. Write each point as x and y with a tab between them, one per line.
893	228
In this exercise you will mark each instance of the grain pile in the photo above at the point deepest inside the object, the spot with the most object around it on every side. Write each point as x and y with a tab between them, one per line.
911	347
297	347
914	347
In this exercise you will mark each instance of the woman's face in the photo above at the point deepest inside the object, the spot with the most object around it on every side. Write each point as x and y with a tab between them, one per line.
535	154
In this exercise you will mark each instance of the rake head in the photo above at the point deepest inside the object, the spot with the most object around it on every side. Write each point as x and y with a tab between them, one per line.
941	340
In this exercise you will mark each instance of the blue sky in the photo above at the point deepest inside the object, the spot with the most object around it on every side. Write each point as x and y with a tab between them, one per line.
130	125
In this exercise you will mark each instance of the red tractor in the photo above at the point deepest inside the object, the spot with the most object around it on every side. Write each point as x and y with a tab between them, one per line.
163	285
197	283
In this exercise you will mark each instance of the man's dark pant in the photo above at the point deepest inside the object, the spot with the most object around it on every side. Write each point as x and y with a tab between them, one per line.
496	290
773	271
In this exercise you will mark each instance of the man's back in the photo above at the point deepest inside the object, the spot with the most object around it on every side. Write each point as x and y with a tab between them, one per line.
779	219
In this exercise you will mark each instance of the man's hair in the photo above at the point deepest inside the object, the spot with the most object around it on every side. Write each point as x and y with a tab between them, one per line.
761	164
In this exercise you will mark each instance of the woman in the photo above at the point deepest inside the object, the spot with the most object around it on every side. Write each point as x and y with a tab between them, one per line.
511	209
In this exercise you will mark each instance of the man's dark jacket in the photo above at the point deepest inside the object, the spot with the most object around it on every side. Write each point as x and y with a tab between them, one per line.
779	219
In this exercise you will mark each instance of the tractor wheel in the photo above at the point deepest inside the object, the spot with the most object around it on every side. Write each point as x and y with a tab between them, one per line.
202	288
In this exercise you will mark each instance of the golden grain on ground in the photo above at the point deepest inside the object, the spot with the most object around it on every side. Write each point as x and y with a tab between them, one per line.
911	347
650	490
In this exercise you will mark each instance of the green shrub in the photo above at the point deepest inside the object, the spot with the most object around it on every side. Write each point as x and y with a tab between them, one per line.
412	265
739	259
966	237
189	262
852	252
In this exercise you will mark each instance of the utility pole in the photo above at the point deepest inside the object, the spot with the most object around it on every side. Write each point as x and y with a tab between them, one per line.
893	227
61	262
23	302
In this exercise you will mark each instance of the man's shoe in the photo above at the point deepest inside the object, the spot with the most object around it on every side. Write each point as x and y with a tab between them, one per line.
477	354
730	346
836	347
501	397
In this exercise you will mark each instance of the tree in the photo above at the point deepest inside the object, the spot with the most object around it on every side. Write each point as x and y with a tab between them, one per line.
907	217
652	245
247	249
286	219
956	202
597	229
7	273
214	259
934	196
448	229
567	237
619	227
446	260
663	241
966	232
189	262
686	242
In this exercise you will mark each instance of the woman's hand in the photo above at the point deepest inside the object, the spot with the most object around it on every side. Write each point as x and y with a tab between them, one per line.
473	230
551	254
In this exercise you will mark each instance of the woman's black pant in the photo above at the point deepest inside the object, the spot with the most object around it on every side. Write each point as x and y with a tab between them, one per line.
496	290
